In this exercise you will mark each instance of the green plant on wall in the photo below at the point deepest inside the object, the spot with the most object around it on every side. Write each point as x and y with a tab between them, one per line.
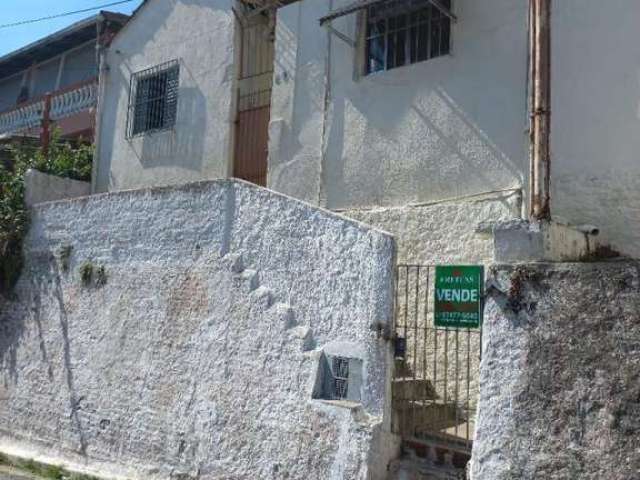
86	273
63	159
101	276
64	255
91	274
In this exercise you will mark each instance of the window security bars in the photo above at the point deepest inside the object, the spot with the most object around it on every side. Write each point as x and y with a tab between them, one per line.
153	99
340	377
402	32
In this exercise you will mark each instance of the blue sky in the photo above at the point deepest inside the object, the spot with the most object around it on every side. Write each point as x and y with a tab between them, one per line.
17	10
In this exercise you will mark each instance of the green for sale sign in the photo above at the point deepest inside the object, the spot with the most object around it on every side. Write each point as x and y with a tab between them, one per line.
458	296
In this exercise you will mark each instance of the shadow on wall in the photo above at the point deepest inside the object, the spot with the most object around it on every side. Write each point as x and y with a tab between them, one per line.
423	146
11	330
295	147
45	286
182	146
448	127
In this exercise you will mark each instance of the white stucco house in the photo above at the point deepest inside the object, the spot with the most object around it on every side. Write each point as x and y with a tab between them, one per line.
411	115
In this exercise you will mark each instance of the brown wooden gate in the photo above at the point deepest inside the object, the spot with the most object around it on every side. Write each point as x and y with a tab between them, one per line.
252	138
254	99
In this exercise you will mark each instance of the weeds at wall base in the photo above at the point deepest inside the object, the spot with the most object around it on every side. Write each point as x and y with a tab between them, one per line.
52	472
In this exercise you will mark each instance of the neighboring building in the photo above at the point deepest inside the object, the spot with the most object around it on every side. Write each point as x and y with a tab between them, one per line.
411	115
55	77
170	107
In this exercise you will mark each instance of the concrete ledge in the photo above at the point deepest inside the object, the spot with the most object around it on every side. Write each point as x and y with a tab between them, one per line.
521	241
42	187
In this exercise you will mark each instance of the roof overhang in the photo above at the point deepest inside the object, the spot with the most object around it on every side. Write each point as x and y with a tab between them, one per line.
362	4
57	43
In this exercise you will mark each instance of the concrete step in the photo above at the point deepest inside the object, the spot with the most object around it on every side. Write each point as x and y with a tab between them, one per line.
419	469
402	369
413	388
426	418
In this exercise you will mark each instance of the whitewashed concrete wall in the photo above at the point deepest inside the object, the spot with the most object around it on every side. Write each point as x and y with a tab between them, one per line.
201	35
457	125
41	187
442	129
198	355
596	118
559	380
444	232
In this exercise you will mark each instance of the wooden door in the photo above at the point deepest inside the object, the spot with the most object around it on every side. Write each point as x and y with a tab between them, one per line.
254	100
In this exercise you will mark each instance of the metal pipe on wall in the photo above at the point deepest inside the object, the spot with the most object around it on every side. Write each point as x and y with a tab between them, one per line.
540	68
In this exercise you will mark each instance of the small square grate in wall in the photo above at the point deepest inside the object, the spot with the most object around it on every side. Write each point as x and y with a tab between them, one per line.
340	377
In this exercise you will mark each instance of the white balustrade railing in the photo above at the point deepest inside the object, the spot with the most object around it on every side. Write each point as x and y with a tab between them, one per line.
63	105
74	101
22	118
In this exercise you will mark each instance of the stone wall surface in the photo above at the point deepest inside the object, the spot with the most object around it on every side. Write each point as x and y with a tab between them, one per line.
560	374
444	232
192	350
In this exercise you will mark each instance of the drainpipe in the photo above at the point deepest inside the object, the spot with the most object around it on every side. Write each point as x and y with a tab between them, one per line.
101	33
540	104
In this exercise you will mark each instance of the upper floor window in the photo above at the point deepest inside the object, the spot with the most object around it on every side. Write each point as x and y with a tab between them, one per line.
401	32
153	99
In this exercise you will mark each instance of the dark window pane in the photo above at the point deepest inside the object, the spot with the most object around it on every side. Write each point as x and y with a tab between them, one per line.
375	49
392	24
405	31
413	44
376	28
435	40
445	38
156	99
401	37
423	42
391	50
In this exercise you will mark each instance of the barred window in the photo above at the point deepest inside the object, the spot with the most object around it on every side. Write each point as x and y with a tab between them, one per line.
402	32
153	99
340	377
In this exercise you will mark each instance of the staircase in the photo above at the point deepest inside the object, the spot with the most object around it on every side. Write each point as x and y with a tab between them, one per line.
411	468
433	430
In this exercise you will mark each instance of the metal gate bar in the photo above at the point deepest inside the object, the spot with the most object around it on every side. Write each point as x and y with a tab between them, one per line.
436	375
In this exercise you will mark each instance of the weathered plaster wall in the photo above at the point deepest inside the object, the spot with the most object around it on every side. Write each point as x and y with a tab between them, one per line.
200	34
446	128
457	125
41	187
560	376
595	119
198	355
444	232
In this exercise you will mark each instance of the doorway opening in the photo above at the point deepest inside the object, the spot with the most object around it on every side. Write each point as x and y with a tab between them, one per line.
255	82
436	375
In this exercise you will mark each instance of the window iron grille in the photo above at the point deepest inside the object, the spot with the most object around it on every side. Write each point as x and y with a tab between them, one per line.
403	32
340	377
153	99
